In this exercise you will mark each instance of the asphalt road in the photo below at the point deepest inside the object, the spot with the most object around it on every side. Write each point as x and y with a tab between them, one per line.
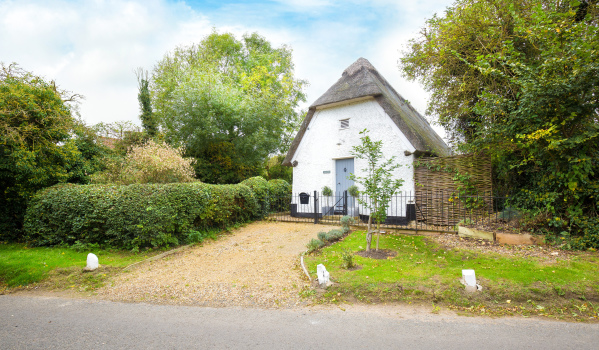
57	323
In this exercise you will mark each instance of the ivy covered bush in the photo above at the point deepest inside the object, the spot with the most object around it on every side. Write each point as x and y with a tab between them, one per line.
527	97
134	216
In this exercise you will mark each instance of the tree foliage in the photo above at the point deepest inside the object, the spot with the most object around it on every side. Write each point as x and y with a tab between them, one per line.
379	183
145	103
522	82
41	143
120	136
274	169
230	102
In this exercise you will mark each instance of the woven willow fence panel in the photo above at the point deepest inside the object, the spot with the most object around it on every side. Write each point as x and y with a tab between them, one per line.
442	198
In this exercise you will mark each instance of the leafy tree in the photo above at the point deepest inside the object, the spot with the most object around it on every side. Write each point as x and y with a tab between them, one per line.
378	184
92	153
441	56
533	80
230	102
151	162
274	169
41	143
145	103
120	135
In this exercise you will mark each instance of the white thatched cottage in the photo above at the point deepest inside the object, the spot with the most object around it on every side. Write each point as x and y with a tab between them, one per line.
362	99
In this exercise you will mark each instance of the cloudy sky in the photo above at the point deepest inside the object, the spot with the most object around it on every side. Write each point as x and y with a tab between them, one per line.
93	47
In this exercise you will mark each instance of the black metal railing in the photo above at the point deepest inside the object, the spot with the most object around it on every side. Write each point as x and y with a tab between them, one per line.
420	210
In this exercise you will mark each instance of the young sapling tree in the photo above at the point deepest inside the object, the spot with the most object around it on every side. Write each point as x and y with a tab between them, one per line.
378	184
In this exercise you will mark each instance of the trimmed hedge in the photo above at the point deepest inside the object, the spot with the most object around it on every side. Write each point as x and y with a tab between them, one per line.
136	215
260	188
273	195
280	195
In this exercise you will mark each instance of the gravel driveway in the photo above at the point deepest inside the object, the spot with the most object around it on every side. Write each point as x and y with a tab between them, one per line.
256	265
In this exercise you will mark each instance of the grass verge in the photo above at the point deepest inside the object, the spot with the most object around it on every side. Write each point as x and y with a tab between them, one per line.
59	266
426	273
62	267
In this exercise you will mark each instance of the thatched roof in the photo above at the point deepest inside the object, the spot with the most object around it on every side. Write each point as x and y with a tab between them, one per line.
361	80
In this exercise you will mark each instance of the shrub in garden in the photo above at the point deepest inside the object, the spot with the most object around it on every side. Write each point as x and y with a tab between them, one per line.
334	235
346	221
348	259
134	216
314	244
259	186
322	236
152	162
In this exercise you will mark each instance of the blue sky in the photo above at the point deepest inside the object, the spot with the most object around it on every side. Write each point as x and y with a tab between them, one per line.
93	47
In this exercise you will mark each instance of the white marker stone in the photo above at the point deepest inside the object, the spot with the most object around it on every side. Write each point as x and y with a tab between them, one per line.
323	275
469	278
92	262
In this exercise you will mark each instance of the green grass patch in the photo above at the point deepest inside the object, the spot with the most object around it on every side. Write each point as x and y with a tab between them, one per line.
21	265
62	267
423	271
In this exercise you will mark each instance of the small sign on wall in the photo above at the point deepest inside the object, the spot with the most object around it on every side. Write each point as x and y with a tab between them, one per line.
326	172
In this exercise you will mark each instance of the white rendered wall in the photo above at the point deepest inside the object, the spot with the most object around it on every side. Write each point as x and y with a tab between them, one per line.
324	142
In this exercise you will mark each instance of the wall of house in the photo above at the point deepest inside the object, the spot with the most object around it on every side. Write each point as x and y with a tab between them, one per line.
324	142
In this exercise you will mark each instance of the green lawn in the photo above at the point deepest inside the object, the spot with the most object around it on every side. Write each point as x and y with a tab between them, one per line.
423	271
21	265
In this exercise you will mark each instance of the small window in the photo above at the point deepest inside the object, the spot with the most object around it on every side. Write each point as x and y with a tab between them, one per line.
344	124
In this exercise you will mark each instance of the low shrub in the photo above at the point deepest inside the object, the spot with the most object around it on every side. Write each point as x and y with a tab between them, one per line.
194	236
347	258
589	227
334	235
134	216
314	244
322	236
346	221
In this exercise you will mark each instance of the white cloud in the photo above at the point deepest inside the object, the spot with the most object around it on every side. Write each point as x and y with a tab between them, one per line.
305	5
92	47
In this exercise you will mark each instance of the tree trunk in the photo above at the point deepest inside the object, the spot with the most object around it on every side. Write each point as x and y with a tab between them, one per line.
378	234
369	234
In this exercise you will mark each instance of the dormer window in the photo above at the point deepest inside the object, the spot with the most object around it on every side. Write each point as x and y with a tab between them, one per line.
344	124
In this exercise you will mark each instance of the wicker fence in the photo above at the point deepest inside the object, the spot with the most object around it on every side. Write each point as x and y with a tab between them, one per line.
450	188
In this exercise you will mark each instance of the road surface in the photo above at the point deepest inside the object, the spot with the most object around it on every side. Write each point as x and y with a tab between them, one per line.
57	323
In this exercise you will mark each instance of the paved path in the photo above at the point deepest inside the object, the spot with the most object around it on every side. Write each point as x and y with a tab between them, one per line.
56	323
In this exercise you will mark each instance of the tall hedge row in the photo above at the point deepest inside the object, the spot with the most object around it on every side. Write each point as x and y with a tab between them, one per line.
279	194
134	216
259	186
